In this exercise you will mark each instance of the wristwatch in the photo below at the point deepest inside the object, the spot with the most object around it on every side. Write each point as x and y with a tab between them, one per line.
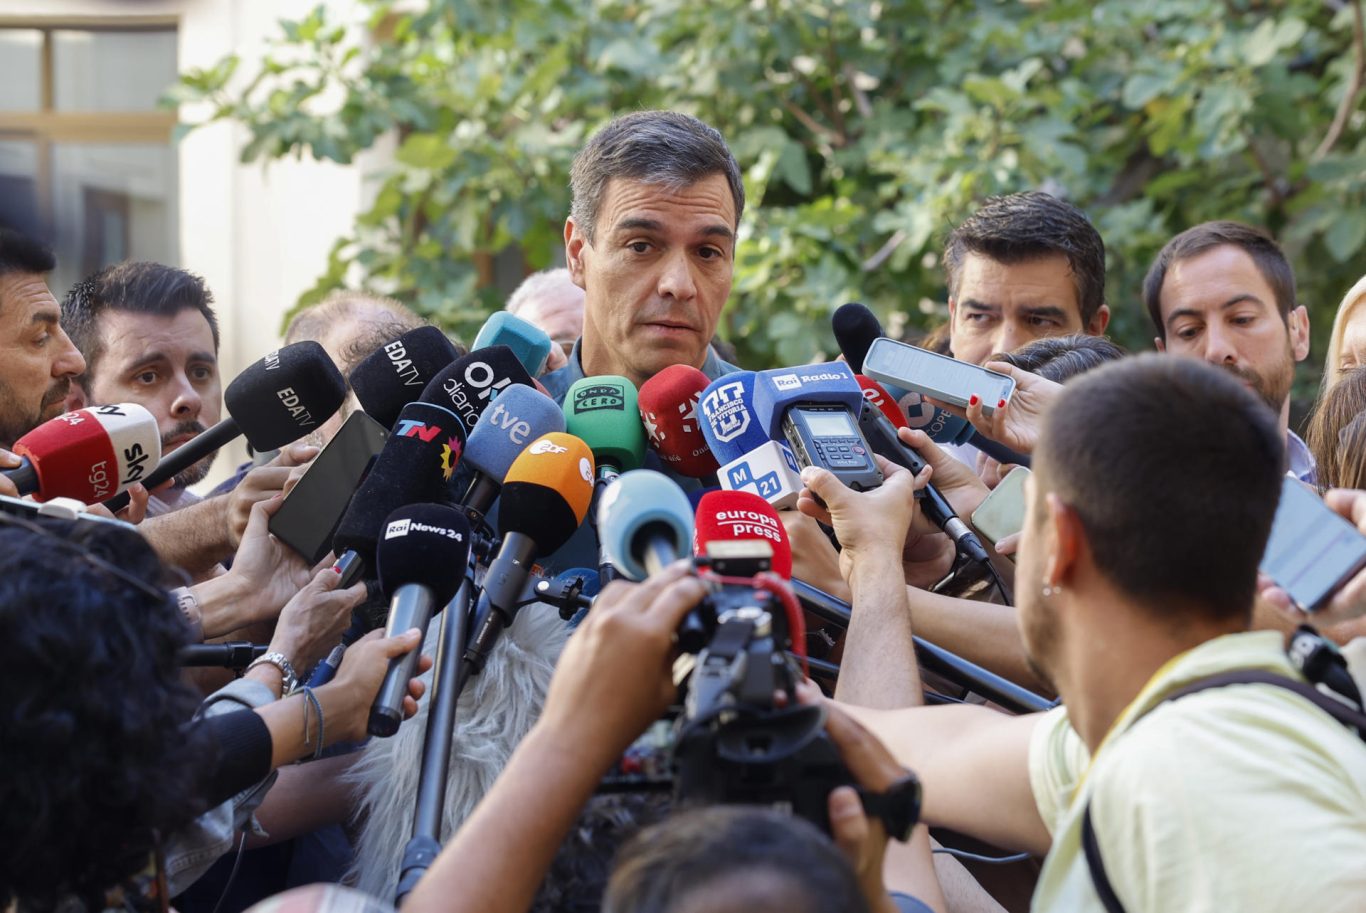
279	661
897	807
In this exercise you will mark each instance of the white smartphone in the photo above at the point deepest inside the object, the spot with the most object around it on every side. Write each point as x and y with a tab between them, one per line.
946	379
1002	513
1312	551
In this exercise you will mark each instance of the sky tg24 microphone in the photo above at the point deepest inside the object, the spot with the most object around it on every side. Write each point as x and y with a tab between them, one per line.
90	454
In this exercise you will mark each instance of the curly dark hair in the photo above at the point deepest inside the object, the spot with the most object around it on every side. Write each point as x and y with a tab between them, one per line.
96	757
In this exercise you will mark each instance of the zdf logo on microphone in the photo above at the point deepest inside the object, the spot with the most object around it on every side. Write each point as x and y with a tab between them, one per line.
546	446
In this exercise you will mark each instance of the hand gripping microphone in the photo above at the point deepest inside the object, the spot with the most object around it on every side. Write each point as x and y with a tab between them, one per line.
516	418
669	411
750	460
545	498
733	516
422	556
528	342
816	408
470	384
646	523
604	412
276	401
396	373
89	454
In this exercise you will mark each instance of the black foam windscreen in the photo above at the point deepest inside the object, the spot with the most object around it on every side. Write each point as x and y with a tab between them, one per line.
539	512
396	373
856	327
285	395
424	544
469	385
414	466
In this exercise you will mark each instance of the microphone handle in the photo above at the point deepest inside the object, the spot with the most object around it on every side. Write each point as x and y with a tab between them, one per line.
191	452
483	491
500	597
997	451
412	606
24	476
659	553
607	474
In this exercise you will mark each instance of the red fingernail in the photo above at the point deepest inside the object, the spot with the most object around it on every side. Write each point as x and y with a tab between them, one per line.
973	400
1001	404
337	569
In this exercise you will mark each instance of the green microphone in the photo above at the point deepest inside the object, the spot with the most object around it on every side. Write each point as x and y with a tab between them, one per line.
602	412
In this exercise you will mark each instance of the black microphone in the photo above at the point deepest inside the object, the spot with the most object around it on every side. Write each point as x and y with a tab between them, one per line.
881	436
276	401
397	373
421	558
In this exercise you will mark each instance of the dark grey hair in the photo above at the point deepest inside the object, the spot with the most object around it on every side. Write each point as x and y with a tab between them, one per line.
658	147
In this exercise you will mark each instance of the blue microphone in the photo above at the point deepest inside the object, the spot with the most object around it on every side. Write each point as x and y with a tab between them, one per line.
779	389
517	417
645	523
750	460
527	341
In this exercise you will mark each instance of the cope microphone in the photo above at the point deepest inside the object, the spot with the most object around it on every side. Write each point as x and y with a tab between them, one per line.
544	500
528	342
750	460
276	401
519	416
421	557
669	411
397	373
736	516
89	454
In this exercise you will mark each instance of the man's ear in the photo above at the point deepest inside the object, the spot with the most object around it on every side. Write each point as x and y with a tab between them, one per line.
1099	321
1068	537
574	243
1159	343
1298	326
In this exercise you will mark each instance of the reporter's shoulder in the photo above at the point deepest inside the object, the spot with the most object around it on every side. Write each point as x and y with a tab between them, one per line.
321	898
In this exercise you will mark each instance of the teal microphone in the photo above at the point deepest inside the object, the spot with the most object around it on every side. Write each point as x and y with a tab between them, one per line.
528	342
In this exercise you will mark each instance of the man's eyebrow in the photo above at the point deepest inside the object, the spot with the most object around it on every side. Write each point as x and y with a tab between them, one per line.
51	318
975	305
203	356
643	224
147	359
1194	312
1047	310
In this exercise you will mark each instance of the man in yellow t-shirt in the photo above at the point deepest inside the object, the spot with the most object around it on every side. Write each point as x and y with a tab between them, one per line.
1155	482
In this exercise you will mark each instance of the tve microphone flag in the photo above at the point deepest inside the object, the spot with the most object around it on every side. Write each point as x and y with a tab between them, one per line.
728	516
89	454
668	408
396	373
519	416
528	342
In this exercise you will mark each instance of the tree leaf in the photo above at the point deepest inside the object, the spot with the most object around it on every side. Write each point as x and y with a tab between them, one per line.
1346	235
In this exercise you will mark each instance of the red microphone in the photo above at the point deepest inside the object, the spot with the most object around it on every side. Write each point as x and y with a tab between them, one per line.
90	454
668	409
873	392
727	516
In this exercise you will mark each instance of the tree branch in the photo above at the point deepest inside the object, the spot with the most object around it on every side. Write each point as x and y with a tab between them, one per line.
1349	95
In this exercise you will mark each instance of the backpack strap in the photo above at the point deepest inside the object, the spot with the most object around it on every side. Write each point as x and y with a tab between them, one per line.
1344	714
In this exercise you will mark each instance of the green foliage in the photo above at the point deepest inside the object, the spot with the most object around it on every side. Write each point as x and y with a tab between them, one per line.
866	129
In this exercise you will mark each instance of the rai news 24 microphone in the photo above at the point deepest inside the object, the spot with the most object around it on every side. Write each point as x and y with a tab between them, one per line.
422	557
517	417
668	409
545	497
528	342
604	412
89	454
276	401
396	373
749	459
739	516
816	408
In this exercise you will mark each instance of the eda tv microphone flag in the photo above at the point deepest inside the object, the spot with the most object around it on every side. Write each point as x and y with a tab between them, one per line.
397	373
90	454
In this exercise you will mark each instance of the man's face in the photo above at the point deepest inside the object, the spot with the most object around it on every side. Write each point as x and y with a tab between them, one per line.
655	276
1035	615
999	307
1218	307
167	365
37	360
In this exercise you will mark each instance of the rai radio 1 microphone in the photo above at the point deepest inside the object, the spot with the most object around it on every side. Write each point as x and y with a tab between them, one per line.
471	383
274	402
89	454
397	373
604	412
545	497
733	516
816	408
669	411
528	342
517	417
421	556
750	460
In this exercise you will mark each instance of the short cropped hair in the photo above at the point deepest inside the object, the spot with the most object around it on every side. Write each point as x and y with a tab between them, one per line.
1058	358
314	322
1174	469
21	254
657	147
1337	433
1028	226
140	287
662	864
1193	242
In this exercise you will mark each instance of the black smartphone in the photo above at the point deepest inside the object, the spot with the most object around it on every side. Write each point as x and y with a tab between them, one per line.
311	512
1312	551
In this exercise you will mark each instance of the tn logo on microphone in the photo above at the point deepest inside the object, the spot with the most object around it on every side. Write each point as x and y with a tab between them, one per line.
726	412
411	428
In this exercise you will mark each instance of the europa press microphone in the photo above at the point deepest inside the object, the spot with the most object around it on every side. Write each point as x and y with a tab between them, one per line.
528	342
725	516
517	417
421	556
397	373
274	402
668	410
89	454
750	460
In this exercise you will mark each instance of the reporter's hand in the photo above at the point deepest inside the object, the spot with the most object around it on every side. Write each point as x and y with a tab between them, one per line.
9	461
866	521
135	511
312	622
814	559
263	483
954	479
1017	423
348	697
264	567
1350	601
615	676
